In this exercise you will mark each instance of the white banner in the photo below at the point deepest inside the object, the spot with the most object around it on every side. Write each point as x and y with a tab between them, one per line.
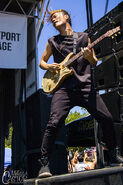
13	41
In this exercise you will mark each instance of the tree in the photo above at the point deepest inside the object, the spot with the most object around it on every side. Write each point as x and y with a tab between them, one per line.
8	140
75	115
72	116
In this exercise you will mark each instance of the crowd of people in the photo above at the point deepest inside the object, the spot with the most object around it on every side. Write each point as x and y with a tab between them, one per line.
84	160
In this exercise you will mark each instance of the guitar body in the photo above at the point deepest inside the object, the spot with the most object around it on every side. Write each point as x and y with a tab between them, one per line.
52	80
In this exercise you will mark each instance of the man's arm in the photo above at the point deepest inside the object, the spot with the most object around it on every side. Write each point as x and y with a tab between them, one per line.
89	54
44	59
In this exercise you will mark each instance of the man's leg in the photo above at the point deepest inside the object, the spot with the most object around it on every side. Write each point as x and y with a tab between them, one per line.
97	108
99	111
60	107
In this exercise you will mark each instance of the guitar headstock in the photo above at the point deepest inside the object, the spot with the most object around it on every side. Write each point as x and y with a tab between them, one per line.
112	32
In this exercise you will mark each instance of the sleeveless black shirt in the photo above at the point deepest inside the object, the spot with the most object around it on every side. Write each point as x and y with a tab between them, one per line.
61	47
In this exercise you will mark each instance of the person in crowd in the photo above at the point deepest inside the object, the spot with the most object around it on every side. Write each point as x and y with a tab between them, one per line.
69	159
75	160
90	159
86	160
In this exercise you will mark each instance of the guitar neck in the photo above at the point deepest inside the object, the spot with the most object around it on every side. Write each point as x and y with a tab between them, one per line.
70	61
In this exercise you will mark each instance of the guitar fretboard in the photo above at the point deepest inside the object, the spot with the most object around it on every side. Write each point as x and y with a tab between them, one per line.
71	60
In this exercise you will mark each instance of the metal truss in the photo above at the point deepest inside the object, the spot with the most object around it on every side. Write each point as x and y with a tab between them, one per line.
34	4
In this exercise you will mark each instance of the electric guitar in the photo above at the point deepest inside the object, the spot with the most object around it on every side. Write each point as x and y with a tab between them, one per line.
52	80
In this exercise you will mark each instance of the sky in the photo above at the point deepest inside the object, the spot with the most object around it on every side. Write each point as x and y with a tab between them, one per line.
77	11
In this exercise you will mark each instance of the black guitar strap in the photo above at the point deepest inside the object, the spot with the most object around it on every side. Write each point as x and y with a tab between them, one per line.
75	36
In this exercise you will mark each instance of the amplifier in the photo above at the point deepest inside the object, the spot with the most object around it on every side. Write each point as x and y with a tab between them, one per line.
118	40
105	19
108	22
114	103
105	47
109	73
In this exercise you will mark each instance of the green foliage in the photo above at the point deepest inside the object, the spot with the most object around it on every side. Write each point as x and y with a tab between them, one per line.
9	139
74	115
74	149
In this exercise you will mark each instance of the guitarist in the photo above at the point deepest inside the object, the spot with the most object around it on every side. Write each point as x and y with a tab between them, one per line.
76	90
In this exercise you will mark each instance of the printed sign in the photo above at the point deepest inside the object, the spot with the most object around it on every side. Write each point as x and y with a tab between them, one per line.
13	41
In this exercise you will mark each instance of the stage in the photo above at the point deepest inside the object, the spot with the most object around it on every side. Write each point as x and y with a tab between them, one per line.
104	176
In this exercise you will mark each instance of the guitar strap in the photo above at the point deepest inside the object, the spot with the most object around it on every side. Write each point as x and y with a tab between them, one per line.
75	36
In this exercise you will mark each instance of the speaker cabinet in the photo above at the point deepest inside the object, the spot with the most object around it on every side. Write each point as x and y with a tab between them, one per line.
108	22
109	73
105	46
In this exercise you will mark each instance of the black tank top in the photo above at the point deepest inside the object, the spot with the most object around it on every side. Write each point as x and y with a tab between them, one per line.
61	47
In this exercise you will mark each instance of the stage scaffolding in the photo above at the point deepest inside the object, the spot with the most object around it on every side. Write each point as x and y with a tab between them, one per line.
24	81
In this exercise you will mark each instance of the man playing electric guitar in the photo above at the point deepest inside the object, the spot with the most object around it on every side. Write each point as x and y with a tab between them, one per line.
75	90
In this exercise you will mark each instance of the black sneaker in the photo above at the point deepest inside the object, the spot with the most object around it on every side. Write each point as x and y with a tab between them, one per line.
44	171
115	158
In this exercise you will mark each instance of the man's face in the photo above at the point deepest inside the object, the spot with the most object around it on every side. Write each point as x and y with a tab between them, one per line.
58	19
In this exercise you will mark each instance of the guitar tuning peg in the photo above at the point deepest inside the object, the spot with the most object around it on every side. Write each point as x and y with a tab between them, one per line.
119	32
115	34
112	37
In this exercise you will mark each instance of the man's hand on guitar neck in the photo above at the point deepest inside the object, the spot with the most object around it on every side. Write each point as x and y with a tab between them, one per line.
89	54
